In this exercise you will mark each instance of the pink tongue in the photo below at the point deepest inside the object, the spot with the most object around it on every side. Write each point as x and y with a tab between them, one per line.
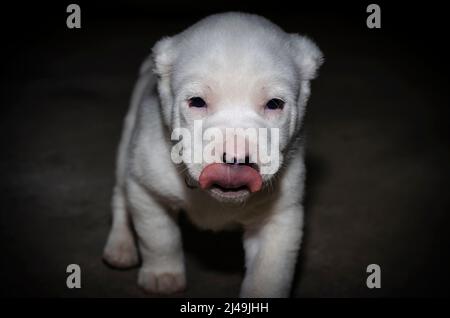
230	177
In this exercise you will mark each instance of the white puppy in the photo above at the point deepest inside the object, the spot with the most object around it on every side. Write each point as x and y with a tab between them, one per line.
229	70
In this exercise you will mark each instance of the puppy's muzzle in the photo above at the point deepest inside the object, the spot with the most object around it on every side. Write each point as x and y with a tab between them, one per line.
232	174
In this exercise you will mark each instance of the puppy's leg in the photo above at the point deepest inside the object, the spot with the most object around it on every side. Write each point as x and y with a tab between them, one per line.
120	249
271	252
162	270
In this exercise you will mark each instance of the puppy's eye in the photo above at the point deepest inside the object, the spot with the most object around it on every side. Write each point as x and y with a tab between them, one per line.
196	102
275	103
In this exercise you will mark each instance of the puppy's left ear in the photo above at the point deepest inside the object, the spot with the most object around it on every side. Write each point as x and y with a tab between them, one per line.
307	56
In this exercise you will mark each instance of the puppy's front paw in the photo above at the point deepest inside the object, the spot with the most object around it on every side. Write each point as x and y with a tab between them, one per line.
164	283
120	250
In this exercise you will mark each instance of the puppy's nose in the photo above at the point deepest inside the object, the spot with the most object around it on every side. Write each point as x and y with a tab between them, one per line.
233	160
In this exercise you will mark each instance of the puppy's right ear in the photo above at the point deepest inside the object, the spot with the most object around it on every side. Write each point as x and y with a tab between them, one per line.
161	63
163	56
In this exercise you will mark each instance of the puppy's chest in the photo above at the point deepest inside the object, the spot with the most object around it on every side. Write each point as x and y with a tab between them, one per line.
207	213
210	215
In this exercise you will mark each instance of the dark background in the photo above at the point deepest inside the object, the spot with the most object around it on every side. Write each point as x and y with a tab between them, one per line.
377	149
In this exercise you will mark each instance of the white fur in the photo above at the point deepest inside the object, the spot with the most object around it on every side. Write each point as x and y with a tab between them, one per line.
236	62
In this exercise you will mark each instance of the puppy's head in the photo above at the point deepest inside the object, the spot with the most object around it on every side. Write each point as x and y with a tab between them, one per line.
233	90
